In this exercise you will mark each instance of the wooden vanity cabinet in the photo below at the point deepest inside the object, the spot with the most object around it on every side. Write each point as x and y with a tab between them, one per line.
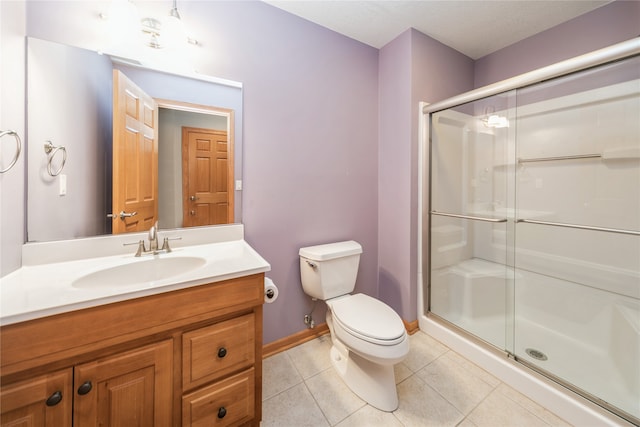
188	357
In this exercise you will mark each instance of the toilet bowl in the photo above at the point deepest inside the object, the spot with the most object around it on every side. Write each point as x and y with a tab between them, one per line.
368	337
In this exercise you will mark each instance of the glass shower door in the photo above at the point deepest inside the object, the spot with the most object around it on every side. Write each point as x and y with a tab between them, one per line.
577	292
471	278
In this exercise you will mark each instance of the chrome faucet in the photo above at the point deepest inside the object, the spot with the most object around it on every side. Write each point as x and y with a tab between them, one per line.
153	243
153	238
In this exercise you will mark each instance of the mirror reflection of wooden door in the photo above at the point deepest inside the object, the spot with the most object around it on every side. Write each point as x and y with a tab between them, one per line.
207	169
135	157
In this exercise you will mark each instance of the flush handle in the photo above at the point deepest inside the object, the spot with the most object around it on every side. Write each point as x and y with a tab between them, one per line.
312	264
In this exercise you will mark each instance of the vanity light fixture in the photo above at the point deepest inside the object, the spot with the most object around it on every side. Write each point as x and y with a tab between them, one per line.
157	33
166	32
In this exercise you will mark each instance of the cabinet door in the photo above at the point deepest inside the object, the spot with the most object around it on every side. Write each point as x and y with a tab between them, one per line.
130	389
40	401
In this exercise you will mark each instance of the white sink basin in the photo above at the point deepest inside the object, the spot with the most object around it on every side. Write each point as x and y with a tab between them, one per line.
139	272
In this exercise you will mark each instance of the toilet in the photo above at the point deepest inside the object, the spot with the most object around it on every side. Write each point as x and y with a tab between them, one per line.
368	337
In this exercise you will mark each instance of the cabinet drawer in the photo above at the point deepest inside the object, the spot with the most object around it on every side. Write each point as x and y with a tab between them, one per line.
214	351
225	403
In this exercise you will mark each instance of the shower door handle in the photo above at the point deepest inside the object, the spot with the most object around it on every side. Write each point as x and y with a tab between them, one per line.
476	218
580	227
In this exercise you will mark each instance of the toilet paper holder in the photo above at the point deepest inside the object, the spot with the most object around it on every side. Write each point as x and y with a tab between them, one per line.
270	291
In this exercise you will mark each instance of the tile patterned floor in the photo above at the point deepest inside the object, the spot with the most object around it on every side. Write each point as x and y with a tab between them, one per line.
436	387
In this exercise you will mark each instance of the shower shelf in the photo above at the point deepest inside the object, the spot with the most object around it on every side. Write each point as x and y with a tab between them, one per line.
580	227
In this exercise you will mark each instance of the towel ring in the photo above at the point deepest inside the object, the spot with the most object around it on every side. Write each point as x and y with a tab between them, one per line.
18	148
51	150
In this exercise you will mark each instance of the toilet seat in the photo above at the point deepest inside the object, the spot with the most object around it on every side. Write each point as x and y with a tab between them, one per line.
368	319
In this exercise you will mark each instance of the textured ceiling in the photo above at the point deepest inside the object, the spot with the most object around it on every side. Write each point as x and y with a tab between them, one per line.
475	27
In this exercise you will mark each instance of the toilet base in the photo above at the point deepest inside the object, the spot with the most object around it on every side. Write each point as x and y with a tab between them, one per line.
372	382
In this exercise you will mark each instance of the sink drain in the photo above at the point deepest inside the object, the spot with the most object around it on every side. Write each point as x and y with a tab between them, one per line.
536	354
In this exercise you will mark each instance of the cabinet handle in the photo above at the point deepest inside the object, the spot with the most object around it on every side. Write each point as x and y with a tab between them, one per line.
54	399
222	412
85	388
222	352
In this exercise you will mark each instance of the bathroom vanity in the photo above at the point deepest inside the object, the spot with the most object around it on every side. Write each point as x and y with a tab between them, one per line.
186	351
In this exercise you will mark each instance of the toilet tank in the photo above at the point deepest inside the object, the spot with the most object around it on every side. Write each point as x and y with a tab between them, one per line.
330	270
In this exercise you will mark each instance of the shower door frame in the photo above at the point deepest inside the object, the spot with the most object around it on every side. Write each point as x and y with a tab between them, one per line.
486	355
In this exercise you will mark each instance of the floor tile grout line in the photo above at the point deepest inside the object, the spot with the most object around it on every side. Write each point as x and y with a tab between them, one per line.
526	408
290	387
470	370
315	400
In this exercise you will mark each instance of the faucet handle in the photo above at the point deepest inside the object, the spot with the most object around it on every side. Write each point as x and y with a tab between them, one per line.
165	243
141	248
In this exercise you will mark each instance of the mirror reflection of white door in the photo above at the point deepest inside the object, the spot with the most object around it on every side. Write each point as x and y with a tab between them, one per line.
207	176
135	157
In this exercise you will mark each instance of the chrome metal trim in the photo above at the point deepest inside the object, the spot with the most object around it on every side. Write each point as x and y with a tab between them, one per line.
581	227
549	159
18	148
51	150
608	54
475	218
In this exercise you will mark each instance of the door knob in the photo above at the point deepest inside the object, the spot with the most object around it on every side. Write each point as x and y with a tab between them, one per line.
192	213
193	198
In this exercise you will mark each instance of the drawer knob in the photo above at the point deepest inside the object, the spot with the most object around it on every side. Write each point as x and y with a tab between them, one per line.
222	412
85	388
222	352
54	399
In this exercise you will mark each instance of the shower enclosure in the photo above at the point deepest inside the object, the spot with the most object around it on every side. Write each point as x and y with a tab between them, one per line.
534	226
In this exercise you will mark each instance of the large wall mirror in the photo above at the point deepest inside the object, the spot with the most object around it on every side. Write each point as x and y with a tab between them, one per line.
70	125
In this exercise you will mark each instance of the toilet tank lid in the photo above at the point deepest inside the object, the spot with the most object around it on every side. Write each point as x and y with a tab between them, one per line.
331	250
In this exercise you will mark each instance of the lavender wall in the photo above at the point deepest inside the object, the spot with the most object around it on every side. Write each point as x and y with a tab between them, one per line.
616	22
412	68
394	174
311	160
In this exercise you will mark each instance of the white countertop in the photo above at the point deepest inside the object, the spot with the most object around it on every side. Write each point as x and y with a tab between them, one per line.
46	288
